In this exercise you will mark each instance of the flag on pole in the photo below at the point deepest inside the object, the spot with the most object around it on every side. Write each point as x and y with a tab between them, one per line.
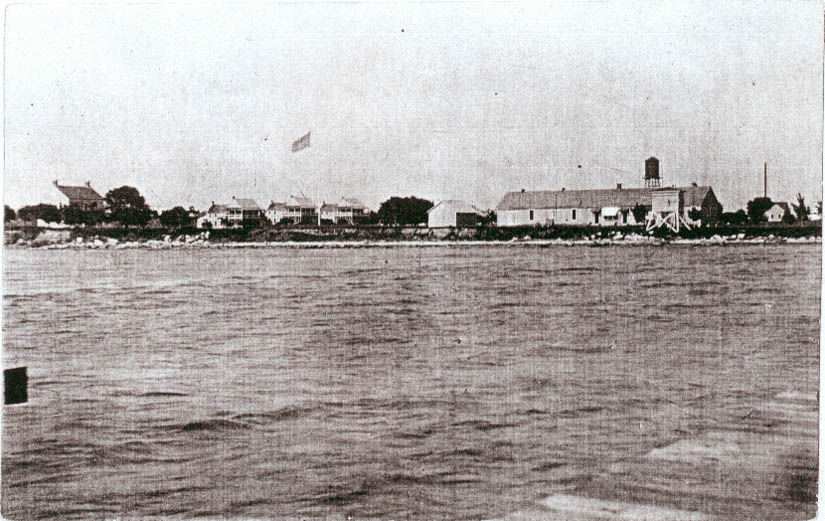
301	143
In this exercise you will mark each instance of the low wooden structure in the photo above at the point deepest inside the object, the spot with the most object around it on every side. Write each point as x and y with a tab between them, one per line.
668	209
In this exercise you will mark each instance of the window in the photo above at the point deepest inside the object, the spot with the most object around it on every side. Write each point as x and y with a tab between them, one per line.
531	215
574	214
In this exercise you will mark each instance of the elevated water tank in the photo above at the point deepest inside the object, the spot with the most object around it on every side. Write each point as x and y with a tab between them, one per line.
652	179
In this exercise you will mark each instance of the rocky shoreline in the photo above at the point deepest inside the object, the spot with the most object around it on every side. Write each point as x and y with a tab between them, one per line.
63	239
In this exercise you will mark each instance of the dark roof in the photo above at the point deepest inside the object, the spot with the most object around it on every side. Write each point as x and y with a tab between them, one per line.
248	205
215	208
299	202
79	193
622	198
276	206
457	206
695	195
351	202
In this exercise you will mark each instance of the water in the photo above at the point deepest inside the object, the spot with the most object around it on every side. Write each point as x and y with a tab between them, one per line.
443	383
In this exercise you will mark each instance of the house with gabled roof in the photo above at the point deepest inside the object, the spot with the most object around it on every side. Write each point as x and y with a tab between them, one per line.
296	209
243	210
777	212
231	215
301	210
216	217
83	197
347	210
275	212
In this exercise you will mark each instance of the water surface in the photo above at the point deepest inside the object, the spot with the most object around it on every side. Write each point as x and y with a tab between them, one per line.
442	383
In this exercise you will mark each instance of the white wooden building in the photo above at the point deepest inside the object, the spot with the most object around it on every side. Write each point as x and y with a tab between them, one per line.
230	215
609	207
777	212
453	213
347	210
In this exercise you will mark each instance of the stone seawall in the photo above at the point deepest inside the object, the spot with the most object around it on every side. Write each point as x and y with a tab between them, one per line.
401	236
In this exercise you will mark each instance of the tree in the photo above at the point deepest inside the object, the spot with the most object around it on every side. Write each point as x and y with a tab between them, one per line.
639	213
695	214
404	210
127	206
757	208
372	218
800	208
177	216
737	218
489	219
8	214
74	214
46	212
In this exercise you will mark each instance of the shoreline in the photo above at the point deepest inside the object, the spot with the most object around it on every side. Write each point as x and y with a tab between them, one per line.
51	240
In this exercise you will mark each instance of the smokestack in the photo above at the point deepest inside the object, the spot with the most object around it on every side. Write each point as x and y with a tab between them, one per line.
766	180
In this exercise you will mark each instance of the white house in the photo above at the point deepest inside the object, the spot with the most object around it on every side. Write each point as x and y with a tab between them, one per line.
777	212
216	217
351	210
275	212
453	213
230	215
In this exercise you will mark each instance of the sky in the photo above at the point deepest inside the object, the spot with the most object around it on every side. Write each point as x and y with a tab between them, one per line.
193	104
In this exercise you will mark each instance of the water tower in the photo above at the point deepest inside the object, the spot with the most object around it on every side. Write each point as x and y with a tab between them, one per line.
652	179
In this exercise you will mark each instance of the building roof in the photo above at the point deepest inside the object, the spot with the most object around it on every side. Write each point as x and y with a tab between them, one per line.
299	202
79	193
329	207
351	202
695	195
456	206
248	205
276	206
783	205
614	197
218	208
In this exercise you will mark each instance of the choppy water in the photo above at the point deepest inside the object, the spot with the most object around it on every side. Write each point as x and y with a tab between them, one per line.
392	383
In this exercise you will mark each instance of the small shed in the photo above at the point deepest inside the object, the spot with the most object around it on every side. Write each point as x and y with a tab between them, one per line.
777	212
453	213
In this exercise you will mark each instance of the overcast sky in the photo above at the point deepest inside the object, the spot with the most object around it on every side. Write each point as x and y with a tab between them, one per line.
196	104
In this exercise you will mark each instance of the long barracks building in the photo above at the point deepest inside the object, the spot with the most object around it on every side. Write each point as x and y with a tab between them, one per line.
610	207
596	207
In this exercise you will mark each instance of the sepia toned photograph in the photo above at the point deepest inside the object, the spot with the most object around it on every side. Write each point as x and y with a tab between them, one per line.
344	261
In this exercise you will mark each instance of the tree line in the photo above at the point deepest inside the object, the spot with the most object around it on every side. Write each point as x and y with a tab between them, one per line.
127	207
758	207
124	206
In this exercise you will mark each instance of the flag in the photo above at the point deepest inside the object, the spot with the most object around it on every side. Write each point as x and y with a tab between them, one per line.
301	143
